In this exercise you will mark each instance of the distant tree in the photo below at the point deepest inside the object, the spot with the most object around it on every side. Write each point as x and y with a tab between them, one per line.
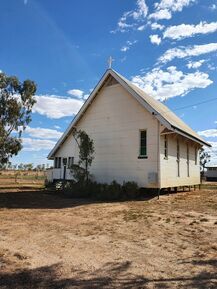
20	167
9	165
28	167
3	166
41	167
16	102
204	159
86	155
15	166
38	167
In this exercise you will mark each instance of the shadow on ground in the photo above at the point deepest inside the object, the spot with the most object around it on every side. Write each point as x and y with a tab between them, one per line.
112	275
42	199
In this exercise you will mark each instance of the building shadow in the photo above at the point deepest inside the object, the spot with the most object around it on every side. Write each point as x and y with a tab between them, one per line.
111	275
42	199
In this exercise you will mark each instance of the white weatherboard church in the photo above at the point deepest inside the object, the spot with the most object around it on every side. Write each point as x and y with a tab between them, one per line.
136	138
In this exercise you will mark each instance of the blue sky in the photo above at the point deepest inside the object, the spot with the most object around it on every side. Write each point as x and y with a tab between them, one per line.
167	47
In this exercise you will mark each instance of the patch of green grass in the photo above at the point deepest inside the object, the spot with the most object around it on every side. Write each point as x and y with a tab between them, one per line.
209	186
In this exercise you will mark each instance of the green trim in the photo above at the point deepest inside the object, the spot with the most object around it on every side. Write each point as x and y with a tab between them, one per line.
142	157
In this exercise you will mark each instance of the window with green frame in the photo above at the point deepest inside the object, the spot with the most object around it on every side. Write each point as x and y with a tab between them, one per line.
143	143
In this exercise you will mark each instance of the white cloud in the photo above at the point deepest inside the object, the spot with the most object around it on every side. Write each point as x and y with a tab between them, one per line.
208	133
165	8
183	52
211	66
185	30
213	7
30	144
195	64
155	39
141	11
161	14
173	5
76	92
155	26
171	82
141	28
43	133
131	18
213	153
125	48
86	96
57	126
128	45
53	106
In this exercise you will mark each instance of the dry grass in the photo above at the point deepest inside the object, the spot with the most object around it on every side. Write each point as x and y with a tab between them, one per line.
48	241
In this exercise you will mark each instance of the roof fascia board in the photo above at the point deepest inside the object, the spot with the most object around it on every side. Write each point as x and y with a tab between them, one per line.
177	130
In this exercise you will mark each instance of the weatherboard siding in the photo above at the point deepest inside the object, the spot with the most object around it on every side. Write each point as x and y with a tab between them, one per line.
114	121
169	170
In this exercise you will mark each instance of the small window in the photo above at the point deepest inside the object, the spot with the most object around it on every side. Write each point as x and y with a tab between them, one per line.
64	161
59	162
165	147
55	163
195	155
70	162
143	143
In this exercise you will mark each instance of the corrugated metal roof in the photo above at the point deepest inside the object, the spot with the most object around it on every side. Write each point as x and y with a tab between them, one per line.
164	111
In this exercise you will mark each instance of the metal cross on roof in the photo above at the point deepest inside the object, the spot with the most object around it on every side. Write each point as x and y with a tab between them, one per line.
110	60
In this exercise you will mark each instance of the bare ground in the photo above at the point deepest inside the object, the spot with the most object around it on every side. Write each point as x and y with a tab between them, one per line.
49	241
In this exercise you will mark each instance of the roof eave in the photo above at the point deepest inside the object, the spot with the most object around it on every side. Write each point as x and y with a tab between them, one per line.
191	136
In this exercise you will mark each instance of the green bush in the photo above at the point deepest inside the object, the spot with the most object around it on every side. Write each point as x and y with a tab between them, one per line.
102	191
130	190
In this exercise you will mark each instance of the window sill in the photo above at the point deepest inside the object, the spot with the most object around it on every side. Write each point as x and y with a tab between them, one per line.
142	157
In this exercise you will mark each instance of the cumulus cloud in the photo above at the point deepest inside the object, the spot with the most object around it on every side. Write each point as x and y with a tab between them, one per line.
56	107
183	52
165	8
208	133
155	39
30	144
213	153
155	26
161	14
43	133
76	92
132	18
185	30
171	82
195	64
128	45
